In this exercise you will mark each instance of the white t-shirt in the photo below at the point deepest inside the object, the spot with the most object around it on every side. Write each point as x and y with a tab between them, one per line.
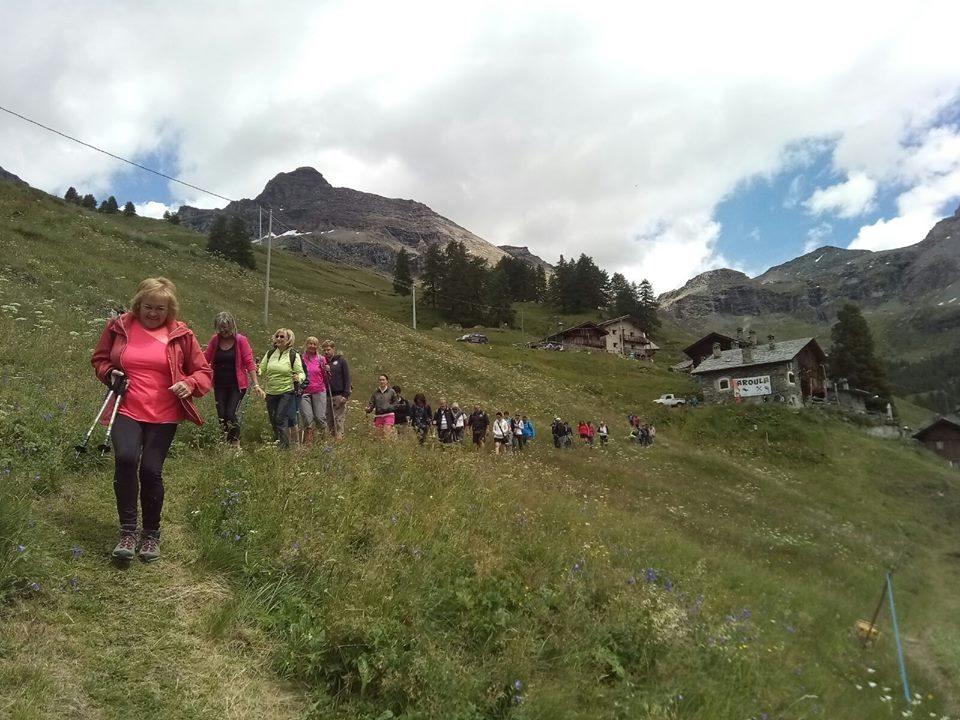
501	428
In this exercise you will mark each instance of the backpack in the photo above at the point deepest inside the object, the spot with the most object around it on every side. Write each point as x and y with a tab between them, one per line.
298	387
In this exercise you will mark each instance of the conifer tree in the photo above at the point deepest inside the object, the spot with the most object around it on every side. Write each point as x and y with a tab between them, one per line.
103	206
402	279
89	202
112	206
218	239
72	196
174	219
433	275
540	284
129	209
239	248
852	354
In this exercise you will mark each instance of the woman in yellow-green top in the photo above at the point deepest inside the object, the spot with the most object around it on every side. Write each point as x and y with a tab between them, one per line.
281	372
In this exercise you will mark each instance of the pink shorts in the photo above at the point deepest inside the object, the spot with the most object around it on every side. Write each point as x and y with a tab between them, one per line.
383	420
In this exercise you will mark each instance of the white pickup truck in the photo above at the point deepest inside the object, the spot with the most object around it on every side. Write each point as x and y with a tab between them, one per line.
670	400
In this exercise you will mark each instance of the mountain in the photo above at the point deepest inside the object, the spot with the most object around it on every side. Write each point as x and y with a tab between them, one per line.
344	224
10	177
522	252
910	296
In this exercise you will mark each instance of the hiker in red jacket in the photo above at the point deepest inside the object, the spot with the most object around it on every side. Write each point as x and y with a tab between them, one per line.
158	361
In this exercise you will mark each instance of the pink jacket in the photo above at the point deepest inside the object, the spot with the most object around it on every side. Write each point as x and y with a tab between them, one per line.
245	361
316	369
187	363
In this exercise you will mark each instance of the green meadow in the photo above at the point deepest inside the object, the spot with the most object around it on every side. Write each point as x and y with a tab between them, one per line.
717	574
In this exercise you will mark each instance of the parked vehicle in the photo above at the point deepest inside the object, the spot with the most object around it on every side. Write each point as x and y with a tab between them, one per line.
670	400
473	338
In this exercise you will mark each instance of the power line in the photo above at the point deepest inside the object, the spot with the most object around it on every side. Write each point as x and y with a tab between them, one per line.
115	156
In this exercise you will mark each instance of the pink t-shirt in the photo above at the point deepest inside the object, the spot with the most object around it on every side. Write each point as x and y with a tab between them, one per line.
148	397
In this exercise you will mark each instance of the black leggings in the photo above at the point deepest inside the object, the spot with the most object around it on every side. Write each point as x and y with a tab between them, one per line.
228	402
143	446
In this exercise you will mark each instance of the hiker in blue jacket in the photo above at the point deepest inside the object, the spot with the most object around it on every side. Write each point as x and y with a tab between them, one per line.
529	432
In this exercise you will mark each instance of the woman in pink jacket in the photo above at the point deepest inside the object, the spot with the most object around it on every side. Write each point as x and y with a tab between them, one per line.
234	371
156	362
315	400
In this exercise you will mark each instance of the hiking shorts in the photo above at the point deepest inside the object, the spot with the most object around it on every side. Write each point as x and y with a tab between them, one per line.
384	420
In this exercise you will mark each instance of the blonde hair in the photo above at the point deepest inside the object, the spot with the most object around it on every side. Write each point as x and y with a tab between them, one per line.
309	340
291	338
161	287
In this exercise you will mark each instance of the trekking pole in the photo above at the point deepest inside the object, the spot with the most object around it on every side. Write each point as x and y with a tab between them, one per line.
82	447
107	445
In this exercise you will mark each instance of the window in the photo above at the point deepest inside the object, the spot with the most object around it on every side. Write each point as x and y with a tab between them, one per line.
939	444
723	384
791	378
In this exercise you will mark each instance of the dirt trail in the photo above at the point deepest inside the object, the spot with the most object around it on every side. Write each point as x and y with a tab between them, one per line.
130	639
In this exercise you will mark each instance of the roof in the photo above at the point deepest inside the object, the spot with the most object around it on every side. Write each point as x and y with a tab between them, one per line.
617	319
762	355
952	420
711	337
683	366
582	326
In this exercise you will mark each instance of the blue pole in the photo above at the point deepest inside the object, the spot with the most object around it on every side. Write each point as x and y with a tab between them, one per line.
896	634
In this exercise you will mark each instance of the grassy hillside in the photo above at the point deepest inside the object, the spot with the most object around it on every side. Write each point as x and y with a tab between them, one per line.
715	575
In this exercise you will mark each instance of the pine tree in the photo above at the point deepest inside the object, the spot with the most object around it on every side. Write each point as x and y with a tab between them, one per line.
72	196
540	284
103	206
402	279
649	316
218	239
852	355
239	248
89	202
174	219
112	206
433	275
129	210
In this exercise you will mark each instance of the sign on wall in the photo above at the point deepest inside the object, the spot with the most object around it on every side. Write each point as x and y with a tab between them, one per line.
752	386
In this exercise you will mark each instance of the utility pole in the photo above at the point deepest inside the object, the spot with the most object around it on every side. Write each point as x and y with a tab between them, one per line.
266	289
413	287
522	333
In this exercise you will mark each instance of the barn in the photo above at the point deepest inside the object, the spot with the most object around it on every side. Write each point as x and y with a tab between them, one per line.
942	436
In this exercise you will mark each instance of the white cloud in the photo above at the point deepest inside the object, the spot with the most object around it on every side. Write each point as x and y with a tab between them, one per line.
931	171
816	235
848	199
564	126
153	209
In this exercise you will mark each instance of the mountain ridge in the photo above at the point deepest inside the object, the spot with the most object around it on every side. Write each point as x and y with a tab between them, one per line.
343	222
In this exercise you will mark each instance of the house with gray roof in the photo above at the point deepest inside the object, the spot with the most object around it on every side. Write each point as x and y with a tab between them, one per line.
789	371
942	436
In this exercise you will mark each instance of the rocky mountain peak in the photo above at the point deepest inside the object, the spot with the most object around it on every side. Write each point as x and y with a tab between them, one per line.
522	252
10	177
298	187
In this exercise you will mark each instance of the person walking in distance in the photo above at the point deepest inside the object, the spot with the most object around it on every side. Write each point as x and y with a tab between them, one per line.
401	412
459	422
158	361
516	427
313	401
478	422
282	372
501	434
382	404
234	371
421	416
443	419
340	387
603	432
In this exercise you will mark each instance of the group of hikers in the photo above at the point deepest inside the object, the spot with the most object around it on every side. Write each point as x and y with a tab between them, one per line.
154	367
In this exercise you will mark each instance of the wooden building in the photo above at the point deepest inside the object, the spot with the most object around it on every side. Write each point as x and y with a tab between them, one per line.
791	371
624	337
585	336
943	437
702	349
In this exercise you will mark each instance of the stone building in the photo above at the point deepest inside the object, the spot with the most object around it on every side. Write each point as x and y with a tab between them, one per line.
700	350
624	337
585	336
791	371
942	436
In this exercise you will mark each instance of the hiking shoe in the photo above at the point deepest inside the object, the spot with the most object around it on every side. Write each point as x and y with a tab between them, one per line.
149	549
127	546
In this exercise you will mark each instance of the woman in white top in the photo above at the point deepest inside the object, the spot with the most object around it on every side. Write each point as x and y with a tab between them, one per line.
501	434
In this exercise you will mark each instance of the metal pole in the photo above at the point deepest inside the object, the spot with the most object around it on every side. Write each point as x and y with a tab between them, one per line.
523	334
266	289
413	287
896	635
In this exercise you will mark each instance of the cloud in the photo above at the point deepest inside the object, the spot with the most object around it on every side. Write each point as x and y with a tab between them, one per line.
816	236
568	127
153	209
930	168
847	199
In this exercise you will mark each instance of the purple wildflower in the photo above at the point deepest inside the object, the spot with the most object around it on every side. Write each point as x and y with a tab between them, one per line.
21	548
651	575
35	586
667	585
74	583
76	552
517	685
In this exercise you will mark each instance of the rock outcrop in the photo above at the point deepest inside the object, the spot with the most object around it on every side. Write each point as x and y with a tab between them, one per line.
10	177
522	252
341	223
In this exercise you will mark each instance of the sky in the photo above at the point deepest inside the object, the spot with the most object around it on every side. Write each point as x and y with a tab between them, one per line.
662	141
